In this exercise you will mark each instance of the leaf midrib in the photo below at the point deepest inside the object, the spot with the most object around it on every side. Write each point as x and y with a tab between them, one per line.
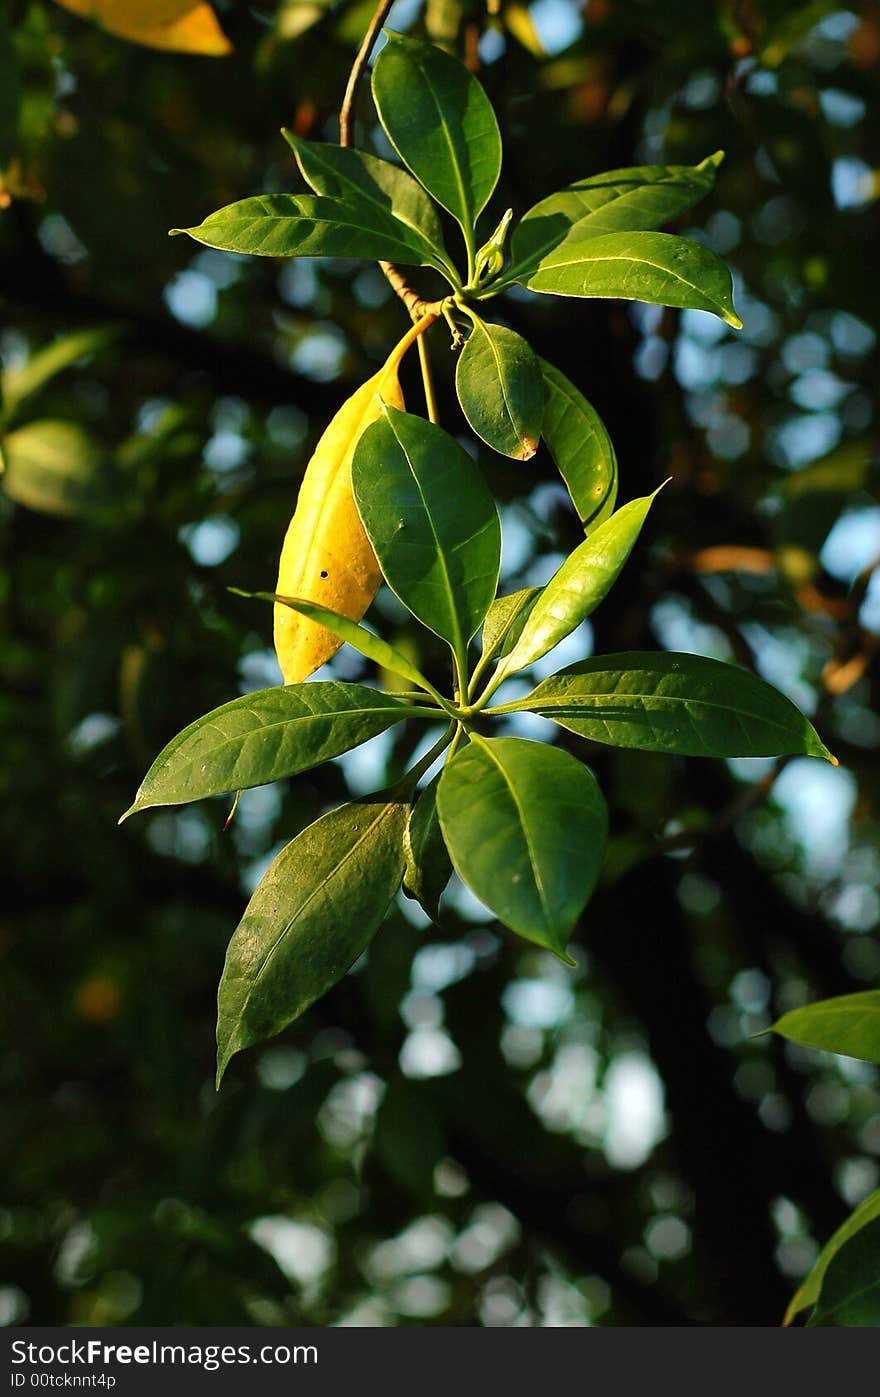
318	890
499	369
626	189
636	260
467	213
458	639
264	729
533	861
590	700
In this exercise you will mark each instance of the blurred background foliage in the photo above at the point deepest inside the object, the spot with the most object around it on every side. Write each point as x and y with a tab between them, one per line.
463	1131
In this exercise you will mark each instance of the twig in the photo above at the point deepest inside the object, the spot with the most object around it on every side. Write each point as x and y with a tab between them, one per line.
414	303
360	62
427	380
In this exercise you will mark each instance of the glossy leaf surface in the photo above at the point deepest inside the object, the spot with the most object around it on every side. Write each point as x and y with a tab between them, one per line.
431	520
668	702
579	585
656	267
500	389
265	736
343	172
440	122
317	908
326	557
505	619
525	825
310	225
640	198
581	447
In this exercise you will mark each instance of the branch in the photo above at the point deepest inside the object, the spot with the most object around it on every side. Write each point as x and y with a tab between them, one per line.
360	62
414	303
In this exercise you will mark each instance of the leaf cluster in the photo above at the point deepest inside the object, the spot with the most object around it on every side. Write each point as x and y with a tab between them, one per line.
523	824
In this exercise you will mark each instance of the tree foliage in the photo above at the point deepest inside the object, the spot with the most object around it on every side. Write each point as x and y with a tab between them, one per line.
443	1129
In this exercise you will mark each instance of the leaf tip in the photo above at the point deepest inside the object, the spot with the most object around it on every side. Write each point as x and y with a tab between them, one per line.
528	447
561	954
712	161
132	810
733	319
226	1050
816	748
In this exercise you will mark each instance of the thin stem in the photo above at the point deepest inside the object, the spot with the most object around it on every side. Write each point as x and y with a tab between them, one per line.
416	772
428	381
406	695
497	679
459	734
448	708
471	246
414	303
461	682
422	710
346	117
482	665
415	332
500	709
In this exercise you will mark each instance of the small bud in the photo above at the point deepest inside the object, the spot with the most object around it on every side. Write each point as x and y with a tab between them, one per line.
490	258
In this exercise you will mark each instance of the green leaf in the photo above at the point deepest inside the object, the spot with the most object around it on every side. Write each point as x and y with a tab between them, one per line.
431	521
51	467
316	910
499	386
310	225
341	172
441	123
358	637
428	866
581	583
850	1296
40	368
668	702
266	736
580	446
810	1289
616	201
848	1024
656	267
526	825
505	619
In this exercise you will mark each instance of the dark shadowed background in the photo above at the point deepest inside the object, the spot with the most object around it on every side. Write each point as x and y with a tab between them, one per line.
464	1131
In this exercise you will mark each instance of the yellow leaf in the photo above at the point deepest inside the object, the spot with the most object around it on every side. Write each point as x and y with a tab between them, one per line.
326	557
187	26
